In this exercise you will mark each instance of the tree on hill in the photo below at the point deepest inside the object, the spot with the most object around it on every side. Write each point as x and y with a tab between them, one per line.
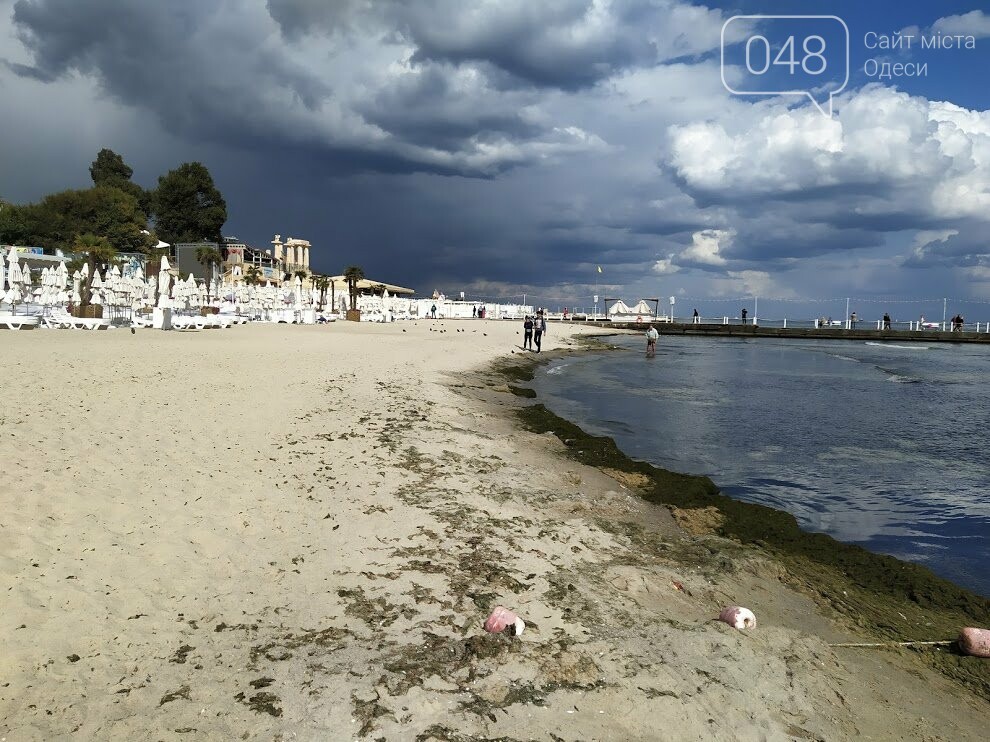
353	274
252	276
188	207
110	170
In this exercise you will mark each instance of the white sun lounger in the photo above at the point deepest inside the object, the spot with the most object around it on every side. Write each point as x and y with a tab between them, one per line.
18	321
62	318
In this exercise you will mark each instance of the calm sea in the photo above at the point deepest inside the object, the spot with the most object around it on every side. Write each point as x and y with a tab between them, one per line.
881	445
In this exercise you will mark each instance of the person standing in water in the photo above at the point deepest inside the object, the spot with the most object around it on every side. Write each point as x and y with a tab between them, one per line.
651	341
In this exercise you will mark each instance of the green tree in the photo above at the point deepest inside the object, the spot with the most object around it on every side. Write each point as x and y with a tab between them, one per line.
188	207
98	252
14	224
102	211
209	256
252	276
110	170
322	283
353	274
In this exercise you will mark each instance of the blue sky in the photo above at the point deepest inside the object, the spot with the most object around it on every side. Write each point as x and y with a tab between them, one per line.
511	147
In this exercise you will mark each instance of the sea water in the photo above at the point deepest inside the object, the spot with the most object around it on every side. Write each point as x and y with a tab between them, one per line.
881	445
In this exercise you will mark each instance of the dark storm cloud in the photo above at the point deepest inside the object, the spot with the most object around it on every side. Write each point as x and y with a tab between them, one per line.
155	55
566	44
428	109
213	71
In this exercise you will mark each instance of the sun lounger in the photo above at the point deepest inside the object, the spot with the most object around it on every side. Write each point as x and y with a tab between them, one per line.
62	318
18	321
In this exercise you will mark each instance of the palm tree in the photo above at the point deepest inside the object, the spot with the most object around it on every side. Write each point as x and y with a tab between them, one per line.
322	283
252	276
209	256
353	274
98	251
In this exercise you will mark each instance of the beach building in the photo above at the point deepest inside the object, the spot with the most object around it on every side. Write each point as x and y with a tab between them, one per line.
240	257
293	254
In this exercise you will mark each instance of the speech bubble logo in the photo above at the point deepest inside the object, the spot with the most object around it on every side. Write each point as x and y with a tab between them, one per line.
806	55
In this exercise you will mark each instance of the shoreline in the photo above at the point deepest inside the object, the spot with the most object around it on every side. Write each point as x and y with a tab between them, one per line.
890	597
283	531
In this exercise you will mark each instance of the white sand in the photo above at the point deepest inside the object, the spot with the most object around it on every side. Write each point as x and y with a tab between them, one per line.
330	512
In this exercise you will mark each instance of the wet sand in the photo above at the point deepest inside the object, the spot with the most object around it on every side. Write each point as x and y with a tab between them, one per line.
275	532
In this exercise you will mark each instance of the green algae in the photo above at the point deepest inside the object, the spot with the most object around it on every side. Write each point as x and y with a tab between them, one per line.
875	593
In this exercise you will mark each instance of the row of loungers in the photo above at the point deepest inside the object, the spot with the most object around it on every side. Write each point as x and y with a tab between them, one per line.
194	322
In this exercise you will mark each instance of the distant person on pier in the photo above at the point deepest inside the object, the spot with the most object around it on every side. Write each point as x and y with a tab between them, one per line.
886	321
651	341
696	317
743	314
528	333
853	319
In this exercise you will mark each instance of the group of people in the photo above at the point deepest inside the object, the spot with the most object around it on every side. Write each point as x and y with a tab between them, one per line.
478	312
957	323
533	329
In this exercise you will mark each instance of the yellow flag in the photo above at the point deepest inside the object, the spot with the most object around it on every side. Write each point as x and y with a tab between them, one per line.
599	269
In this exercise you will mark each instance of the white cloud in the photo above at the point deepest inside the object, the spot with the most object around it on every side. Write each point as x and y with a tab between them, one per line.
974	23
665	266
706	247
927	155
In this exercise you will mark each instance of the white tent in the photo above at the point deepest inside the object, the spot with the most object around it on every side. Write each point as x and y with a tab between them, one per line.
643	309
619	309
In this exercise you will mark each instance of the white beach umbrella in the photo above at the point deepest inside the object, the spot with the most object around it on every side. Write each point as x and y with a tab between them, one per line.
14	275
77	287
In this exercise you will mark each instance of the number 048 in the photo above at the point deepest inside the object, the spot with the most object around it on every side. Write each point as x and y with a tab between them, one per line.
813	62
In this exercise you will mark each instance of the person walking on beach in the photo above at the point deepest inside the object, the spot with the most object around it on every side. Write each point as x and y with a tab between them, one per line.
433	312
538	329
651	341
886	321
528	333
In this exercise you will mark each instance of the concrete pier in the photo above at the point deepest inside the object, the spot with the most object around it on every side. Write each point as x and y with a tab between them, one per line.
805	333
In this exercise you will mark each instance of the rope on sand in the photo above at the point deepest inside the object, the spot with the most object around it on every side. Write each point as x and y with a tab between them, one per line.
895	644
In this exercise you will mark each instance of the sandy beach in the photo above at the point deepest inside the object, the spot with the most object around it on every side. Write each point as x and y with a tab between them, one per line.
281	532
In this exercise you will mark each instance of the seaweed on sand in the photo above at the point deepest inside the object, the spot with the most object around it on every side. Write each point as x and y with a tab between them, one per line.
884	596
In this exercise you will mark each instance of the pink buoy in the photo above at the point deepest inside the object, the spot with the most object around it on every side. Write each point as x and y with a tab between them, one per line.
975	642
501	619
738	617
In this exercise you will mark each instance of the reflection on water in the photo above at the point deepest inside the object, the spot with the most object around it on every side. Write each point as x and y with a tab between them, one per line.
814	428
